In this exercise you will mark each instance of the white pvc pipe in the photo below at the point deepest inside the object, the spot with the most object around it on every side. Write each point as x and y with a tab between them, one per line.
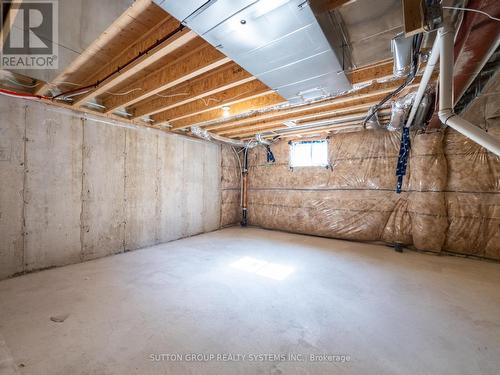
424	82
446	64
471	131
446	114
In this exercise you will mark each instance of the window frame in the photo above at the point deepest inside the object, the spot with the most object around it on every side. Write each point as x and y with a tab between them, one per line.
292	144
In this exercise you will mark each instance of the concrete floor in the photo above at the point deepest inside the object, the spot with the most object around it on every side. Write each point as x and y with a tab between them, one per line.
390	313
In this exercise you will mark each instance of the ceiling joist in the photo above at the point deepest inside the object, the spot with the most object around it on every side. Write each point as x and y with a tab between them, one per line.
364	75
253	104
296	119
163	74
200	61
362	96
163	49
122	33
230	96
224	78
353	116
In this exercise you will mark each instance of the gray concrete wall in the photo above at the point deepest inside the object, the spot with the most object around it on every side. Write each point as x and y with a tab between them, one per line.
75	188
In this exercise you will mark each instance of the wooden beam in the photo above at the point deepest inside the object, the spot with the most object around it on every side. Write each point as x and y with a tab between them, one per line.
413	17
365	74
380	70
361	96
159	32
171	44
97	51
260	102
350	125
342	121
353	116
189	66
304	119
223	78
310	113
322	130
326	116
230	96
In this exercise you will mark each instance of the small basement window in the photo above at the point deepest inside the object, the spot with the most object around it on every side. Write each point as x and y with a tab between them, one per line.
309	154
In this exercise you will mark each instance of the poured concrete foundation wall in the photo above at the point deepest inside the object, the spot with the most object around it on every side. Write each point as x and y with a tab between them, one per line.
74	189
450	201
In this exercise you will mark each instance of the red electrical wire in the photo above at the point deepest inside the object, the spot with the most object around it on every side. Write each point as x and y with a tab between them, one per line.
22	95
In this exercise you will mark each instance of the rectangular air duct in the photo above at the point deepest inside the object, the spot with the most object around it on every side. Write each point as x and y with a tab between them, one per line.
280	42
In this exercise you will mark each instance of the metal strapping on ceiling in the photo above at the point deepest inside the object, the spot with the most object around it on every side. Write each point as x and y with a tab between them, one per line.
280	42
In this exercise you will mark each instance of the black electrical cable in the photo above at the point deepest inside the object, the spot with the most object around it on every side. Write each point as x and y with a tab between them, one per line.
417	42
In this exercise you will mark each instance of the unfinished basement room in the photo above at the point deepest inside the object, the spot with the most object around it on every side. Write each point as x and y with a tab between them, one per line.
222	187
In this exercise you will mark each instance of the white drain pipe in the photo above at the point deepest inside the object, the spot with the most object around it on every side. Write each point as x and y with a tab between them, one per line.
443	45
446	114
424	82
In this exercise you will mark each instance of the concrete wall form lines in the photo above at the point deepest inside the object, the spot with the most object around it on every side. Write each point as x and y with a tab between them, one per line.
75	188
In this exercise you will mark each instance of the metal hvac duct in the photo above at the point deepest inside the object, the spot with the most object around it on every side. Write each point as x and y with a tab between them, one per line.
279	41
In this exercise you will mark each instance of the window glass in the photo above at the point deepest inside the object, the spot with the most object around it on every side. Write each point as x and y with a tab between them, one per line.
309	154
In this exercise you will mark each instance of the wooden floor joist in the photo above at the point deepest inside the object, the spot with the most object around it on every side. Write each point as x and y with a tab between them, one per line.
221	79
310	117
366	74
378	71
146	63
200	61
227	97
336	124
327	117
353	116
322	131
362	100
167	26
177	40
258	103
359	97
111	42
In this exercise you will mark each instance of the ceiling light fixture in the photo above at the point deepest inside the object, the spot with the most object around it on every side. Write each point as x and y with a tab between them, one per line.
226	111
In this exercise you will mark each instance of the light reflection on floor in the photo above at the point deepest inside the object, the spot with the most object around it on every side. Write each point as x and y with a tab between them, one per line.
262	268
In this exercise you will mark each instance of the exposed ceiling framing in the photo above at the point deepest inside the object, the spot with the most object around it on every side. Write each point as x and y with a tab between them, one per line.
159	74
